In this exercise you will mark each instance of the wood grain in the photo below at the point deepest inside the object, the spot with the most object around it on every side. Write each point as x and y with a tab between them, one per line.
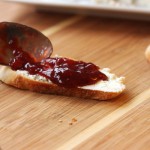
30	121
104	122
29	16
126	133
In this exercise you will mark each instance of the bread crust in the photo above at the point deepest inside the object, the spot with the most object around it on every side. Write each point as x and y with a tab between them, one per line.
11	77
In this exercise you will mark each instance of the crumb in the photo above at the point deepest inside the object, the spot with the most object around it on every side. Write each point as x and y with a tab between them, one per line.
70	123
74	120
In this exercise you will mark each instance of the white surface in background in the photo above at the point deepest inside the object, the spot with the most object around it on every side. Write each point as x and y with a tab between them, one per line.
136	3
116	3
139	9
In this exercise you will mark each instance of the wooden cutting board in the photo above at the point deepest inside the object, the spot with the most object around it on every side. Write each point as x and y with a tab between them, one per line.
32	121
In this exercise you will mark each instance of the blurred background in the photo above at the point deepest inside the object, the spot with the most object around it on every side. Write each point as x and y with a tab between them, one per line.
135	9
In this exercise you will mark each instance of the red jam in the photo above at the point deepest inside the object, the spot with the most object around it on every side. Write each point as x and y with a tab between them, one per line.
61	71
69	73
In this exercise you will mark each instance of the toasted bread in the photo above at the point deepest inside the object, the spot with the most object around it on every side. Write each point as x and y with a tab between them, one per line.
102	90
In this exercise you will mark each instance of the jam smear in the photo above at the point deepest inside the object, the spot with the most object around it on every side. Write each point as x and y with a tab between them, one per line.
69	73
61	71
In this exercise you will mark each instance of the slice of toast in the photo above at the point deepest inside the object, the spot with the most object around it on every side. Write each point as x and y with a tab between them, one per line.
102	90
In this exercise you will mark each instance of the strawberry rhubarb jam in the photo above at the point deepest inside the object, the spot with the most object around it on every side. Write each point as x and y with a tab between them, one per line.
61	71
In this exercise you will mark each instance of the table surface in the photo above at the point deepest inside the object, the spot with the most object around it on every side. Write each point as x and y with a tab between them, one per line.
31	121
